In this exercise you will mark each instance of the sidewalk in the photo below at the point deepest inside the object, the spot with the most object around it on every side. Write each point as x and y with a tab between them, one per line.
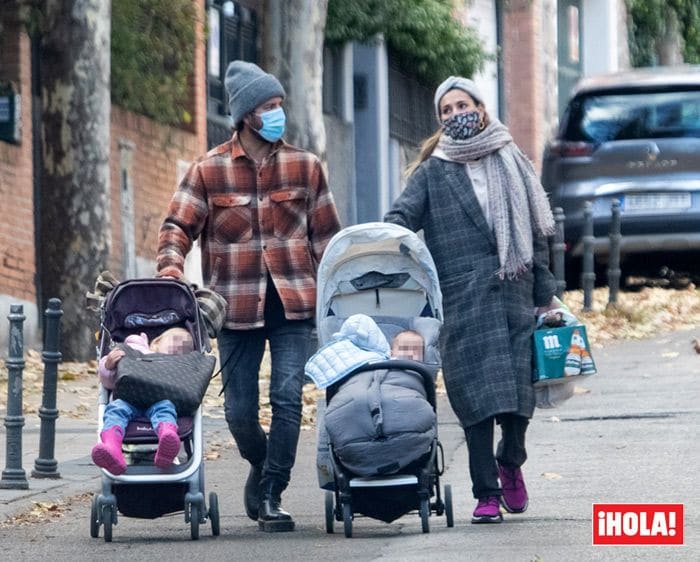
74	439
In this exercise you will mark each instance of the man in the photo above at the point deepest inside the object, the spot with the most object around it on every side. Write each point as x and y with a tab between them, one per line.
264	214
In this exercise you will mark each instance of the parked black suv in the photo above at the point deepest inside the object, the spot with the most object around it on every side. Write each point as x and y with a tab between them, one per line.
632	136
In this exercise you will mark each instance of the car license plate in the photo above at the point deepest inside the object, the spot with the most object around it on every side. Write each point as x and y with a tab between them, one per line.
656	202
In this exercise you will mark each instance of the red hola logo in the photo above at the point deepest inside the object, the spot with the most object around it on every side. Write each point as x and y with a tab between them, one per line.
638	523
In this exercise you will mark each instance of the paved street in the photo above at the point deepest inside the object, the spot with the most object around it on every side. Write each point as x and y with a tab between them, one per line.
630	439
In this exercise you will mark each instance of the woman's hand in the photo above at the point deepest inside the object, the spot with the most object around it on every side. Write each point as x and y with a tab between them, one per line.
113	357
553	304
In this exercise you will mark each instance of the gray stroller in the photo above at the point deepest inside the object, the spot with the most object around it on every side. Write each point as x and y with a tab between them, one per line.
386	272
145	491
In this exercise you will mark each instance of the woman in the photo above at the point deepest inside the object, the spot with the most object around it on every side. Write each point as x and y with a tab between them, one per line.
486	219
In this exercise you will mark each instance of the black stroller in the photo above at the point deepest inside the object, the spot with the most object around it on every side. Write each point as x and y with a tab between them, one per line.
144	491
386	272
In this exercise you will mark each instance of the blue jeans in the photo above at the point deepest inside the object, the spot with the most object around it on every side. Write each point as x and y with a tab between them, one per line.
241	352
119	413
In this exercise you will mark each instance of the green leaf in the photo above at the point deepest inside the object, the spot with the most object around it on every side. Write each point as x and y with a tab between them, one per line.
153	57
428	42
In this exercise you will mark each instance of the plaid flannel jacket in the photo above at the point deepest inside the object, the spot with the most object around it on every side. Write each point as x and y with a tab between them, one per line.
276	217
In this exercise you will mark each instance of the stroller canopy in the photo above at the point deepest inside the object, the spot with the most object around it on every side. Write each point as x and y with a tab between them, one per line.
150	305
364	260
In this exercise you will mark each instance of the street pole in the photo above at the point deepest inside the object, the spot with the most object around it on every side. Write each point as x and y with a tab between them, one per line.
14	477
45	466
588	275
614	271
558	251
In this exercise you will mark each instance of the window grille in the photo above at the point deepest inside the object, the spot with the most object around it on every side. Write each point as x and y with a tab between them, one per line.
411	113
231	36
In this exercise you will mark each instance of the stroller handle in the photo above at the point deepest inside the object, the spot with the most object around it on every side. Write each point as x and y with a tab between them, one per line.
396	365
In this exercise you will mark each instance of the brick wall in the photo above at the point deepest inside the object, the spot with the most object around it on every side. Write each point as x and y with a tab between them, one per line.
157	150
17	265
523	75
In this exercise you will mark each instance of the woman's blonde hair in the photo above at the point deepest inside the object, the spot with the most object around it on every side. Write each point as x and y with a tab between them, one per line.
429	144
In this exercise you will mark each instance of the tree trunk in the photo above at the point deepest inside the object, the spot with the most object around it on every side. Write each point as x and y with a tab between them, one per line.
670	45
293	51
74	205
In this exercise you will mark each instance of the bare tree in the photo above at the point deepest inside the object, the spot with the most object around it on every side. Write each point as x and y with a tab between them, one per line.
670	46
74	204
293	51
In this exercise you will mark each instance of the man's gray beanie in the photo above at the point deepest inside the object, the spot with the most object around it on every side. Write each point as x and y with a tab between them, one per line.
248	86
460	83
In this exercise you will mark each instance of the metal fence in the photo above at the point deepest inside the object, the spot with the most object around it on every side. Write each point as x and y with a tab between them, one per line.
588	276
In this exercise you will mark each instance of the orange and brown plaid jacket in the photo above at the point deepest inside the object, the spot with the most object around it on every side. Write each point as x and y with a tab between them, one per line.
277	217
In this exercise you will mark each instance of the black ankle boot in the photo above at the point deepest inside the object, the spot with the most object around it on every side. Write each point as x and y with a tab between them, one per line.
251	492
271	517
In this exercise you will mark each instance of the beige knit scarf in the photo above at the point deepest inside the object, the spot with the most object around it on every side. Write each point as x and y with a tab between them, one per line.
517	201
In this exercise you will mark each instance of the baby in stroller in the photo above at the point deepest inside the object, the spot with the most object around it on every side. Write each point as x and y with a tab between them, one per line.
384	272
379	421
165	321
107	453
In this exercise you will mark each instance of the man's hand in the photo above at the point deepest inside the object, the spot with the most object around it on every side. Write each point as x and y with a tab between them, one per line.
113	357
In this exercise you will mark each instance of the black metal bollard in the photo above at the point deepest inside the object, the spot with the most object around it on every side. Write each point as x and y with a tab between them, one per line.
558	251
14	477
45	465
588	275
614	271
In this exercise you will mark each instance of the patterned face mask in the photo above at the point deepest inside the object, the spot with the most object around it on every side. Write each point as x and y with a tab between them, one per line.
463	125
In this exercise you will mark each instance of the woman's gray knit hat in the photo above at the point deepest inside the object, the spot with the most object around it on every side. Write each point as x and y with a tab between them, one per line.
248	86
460	83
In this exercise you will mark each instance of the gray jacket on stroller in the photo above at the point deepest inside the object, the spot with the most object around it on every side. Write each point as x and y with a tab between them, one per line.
378	421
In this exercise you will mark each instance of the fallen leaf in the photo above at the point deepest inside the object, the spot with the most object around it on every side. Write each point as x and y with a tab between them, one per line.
552	476
45	506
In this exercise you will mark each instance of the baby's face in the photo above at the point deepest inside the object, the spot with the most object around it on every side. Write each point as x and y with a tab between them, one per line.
407	346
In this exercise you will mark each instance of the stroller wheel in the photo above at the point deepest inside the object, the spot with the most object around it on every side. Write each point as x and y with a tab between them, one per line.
107	522
194	521
94	523
330	496
449	514
347	519
214	514
424	512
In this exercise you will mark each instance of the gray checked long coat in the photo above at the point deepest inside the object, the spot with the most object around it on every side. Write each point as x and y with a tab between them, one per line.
486	340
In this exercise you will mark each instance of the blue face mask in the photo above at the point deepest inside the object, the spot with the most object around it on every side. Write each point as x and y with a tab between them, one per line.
273	122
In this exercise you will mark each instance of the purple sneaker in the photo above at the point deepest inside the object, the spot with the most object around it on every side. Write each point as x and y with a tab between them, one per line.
487	510
514	497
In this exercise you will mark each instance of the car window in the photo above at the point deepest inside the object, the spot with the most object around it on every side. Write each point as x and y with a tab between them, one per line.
602	118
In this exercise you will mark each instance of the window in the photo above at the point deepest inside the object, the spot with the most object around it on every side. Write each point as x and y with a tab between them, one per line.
411	112
643	115
232	35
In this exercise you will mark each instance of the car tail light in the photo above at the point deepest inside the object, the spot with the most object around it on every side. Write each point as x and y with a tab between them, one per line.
569	149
